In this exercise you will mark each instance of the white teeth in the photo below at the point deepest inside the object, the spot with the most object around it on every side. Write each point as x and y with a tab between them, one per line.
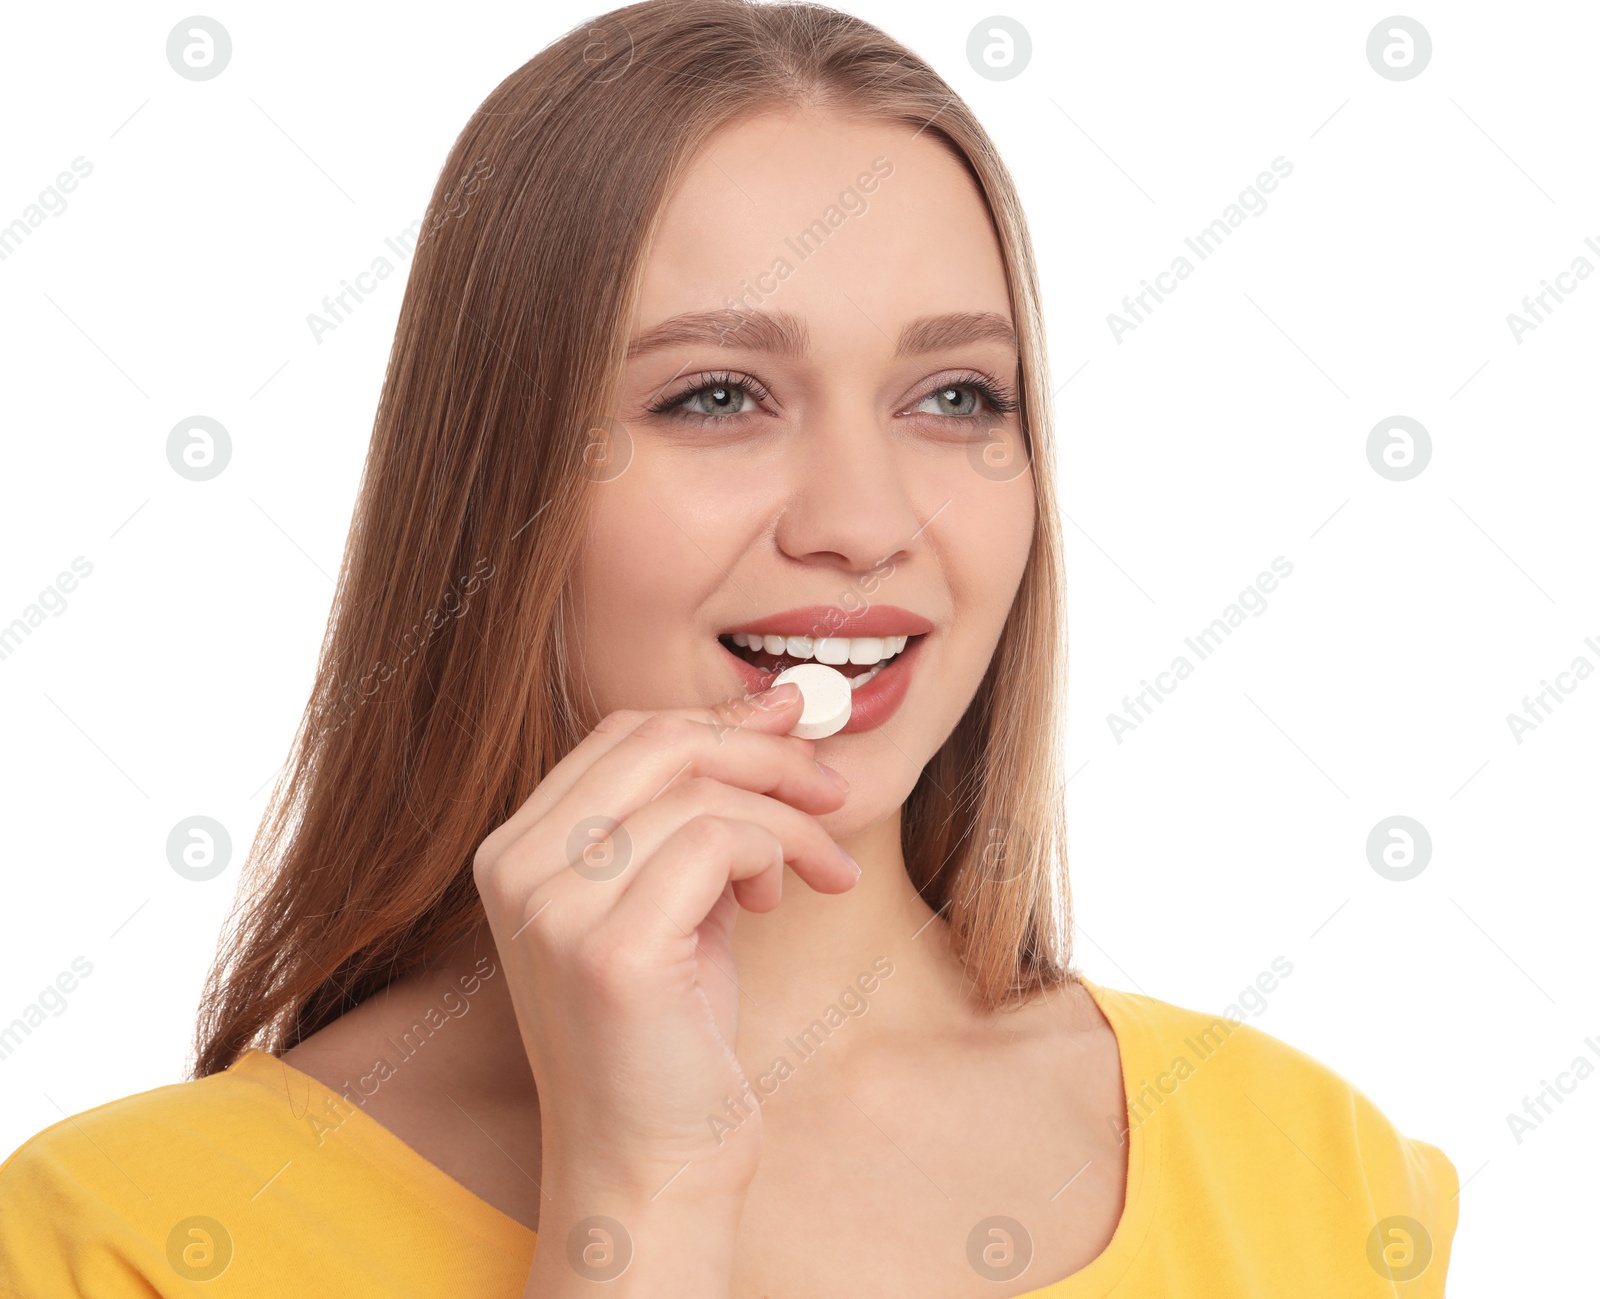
834	650
857	682
866	649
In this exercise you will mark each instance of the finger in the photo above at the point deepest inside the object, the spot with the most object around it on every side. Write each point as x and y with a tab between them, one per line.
682	880
760	892
662	753
759	714
599	880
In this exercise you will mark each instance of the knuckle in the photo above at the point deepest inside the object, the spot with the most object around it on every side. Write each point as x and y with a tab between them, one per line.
507	875
494	883
531	932
485	861
620	722
493	844
709	834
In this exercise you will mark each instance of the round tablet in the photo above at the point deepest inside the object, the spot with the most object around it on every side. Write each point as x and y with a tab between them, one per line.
827	696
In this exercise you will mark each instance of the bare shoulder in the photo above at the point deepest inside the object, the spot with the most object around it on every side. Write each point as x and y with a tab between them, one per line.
1061	1040
1064	1016
1080	1029
437	1060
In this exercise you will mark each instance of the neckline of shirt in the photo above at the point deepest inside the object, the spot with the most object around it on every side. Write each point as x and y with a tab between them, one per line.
407	1167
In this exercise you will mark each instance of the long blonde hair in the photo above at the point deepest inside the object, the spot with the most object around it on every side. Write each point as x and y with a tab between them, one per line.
441	695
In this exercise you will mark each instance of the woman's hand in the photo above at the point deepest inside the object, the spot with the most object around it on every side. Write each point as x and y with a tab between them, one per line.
612	894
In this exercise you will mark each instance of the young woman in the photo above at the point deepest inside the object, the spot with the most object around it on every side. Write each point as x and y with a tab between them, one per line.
721	349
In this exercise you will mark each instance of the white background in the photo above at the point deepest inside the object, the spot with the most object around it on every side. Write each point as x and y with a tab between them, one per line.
1227	429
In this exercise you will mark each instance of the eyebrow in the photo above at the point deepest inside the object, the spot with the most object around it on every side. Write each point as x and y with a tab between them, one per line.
784	334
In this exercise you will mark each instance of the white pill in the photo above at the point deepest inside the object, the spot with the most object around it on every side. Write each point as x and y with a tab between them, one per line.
827	697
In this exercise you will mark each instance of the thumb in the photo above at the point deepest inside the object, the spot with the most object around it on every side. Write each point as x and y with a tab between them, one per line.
773	711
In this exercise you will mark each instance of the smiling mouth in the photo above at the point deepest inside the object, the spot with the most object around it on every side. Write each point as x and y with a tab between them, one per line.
858	657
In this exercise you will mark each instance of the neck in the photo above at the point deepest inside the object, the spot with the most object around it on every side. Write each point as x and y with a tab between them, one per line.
816	956
797	959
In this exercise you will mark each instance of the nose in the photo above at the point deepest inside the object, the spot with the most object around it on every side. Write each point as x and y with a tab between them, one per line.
852	499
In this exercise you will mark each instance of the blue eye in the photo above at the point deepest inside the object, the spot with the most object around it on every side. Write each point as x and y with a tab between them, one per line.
723	395
714	398
999	400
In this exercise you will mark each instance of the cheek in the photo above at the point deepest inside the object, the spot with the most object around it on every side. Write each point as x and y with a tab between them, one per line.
654	554
665	535
633	589
988	552
629	560
984	558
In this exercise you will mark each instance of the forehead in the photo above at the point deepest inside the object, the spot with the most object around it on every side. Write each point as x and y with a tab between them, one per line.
826	217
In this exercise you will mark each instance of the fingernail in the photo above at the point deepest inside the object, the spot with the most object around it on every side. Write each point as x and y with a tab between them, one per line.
851	860
778	696
835	778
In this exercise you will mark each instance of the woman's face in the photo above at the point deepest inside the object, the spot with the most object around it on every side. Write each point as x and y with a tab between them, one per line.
847	442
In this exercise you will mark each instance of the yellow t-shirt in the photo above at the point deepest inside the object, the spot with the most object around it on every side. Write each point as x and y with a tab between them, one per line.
1253	1173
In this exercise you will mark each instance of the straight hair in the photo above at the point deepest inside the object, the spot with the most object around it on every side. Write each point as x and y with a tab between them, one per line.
442	694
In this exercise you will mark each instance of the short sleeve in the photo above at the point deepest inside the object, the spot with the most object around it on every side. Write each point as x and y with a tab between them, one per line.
58	1235
1413	1200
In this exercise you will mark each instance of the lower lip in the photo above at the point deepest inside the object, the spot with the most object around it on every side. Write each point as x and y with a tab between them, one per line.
870	706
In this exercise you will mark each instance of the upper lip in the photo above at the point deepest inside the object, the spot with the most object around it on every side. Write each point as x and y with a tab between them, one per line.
822	620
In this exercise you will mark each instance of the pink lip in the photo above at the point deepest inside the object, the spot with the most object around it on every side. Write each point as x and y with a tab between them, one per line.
870	706
821	620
